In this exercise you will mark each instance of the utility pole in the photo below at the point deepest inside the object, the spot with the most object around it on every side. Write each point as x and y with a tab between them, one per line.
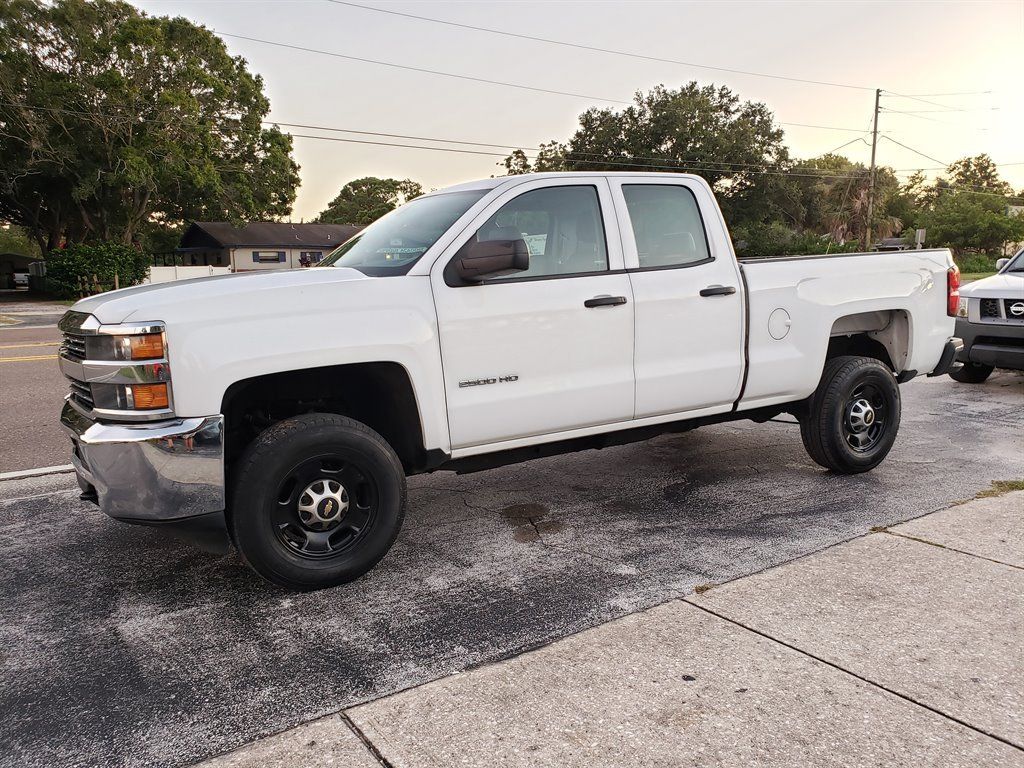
871	181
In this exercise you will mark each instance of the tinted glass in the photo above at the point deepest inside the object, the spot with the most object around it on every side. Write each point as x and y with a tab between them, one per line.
393	243
561	226
666	224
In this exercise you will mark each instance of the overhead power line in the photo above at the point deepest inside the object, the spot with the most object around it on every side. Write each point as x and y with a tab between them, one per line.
599	49
423	70
915	151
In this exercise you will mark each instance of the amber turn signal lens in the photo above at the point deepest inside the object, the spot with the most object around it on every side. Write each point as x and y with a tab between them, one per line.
149	396
148	347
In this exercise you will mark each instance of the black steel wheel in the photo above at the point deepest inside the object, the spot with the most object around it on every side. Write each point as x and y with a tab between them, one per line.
852	419
317	500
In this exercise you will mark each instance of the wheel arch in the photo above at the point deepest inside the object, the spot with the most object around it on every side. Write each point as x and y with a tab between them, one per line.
378	394
882	334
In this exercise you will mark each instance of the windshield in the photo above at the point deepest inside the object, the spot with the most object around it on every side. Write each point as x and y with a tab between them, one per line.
1016	263
393	243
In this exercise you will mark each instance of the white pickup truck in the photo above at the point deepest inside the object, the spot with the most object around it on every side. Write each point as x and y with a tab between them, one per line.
488	323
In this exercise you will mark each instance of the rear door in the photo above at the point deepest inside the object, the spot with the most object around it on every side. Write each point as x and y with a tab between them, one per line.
687	295
550	349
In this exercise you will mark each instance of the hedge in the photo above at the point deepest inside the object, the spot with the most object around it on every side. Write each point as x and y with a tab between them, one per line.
67	268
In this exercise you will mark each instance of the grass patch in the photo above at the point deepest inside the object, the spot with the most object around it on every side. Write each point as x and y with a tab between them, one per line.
999	487
968	276
700	589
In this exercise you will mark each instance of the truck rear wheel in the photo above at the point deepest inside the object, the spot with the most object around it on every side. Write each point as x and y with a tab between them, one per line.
972	373
318	500
853	416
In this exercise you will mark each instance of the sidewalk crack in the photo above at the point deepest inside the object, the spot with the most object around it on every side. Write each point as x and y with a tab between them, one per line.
851	673
370	746
908	537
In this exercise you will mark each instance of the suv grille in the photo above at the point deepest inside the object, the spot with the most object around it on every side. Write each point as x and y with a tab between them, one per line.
1007	303
990	308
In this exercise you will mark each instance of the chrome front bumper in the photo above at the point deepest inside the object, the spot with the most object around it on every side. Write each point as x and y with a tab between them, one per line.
154	473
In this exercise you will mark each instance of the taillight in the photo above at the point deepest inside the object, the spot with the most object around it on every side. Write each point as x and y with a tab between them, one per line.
952	290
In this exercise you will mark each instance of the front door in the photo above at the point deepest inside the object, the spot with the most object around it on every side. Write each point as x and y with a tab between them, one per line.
549	349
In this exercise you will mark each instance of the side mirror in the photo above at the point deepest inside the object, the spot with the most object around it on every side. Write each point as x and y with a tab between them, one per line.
1000	263
476	261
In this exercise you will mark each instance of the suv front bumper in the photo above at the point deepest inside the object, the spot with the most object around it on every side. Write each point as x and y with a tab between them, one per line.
995	344
168	473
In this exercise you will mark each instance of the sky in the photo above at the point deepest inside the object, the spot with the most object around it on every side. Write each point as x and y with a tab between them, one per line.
974	50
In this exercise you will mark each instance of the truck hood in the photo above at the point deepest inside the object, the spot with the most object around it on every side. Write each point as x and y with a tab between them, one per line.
165	301
1006	285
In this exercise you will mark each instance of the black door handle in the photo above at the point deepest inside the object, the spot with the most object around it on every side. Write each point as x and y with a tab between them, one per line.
718	290
605	301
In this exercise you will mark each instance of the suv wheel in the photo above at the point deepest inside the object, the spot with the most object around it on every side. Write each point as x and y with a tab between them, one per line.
317	500
853	416
972	373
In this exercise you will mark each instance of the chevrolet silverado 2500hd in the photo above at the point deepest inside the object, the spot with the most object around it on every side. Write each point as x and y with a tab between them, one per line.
491	322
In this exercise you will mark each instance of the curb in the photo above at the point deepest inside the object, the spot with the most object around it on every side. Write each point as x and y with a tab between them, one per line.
37	472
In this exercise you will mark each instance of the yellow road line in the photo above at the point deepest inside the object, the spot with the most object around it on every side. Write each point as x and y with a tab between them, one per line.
27	358
36	344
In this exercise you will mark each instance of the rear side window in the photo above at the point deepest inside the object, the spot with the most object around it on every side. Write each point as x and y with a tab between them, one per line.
667	225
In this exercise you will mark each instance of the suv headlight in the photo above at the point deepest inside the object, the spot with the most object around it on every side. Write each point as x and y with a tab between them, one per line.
961	308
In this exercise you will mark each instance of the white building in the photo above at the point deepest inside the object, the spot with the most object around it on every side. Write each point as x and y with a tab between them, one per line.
259	244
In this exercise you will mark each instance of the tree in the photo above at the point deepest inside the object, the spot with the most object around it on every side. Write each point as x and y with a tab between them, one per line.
706	130
979	174
363	201
112	121
972	222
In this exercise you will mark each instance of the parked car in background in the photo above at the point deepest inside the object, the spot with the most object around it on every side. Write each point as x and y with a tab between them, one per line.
21	279
493	322
990	320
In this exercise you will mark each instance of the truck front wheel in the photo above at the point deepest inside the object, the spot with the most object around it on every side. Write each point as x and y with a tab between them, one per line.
853	416
317	501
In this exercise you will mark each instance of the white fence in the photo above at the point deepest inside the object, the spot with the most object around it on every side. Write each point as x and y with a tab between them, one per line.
168	274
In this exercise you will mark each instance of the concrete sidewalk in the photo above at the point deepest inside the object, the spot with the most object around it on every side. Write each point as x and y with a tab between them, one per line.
902	647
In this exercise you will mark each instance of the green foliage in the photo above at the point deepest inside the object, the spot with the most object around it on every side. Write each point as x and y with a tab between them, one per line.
975	263
15	240
758	240
708	131
67	267
363	201
971	222
120	119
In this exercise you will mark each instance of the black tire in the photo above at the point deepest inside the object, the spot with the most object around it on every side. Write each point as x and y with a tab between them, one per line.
972	373
853	416
289	486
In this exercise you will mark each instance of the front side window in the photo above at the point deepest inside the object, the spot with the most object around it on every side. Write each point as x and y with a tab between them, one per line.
562	229
666	225
393	243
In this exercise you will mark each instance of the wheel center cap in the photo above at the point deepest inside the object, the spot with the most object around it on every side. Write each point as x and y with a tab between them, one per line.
860	415
323	504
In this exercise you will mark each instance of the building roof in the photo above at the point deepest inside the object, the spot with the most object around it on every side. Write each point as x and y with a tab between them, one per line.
223	234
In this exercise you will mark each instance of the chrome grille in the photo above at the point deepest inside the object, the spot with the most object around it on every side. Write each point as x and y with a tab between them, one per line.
73	347
990	307
81	393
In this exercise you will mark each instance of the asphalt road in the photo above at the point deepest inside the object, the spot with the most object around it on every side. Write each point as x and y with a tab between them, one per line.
120	647
31	392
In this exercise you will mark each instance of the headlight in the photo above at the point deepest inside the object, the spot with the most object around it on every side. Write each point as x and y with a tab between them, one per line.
961	308
116	372
148	346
